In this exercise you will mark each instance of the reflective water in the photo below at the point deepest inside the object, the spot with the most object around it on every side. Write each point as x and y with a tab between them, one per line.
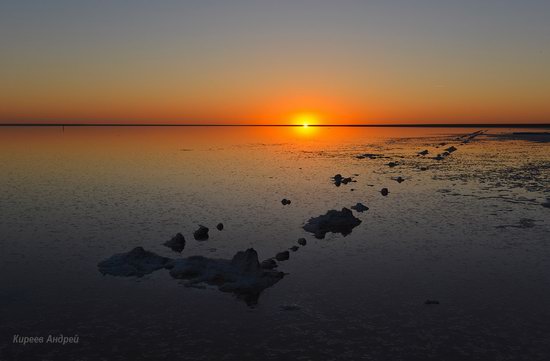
470	231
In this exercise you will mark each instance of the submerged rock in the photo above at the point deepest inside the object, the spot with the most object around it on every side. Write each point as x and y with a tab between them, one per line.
294	248
399	179
177	243
470	137
201	234
431	302
302	241
242	275
451	149
523	223
424	152
538	137
393	164
291	307
547	204
219	226
285	201
268	264
384	191
333	221
369	156
282	256
138	262
526	223
360	207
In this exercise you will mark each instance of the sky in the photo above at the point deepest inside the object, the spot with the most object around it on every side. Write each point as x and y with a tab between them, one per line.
244	61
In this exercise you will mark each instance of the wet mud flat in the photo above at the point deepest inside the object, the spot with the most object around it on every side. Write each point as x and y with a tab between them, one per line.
411	248
542	137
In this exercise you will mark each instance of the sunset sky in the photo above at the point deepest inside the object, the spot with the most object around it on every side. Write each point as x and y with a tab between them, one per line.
238	61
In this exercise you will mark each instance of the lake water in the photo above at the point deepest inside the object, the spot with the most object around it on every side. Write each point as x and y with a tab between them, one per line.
470	231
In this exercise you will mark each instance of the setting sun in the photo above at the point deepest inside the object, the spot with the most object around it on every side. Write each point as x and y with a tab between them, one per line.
305	119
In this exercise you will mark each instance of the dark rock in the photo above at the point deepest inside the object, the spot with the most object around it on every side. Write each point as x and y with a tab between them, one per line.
177	243
219	226
333	221
302	241
337	180
547	204
269	264
285	201
360	207
424	152
201	234
399	179
294	248
431	302
246	261
384	191
282	256
451	149
393	164
138	262
242	275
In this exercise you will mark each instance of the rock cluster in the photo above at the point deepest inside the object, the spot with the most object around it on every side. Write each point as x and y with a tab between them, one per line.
242	275
338	180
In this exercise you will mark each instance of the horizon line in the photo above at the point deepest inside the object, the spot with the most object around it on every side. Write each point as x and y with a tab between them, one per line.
400	125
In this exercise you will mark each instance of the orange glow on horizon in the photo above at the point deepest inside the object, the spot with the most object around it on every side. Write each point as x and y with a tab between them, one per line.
305	119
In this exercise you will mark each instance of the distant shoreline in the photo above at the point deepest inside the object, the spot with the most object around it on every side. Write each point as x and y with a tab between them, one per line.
511	125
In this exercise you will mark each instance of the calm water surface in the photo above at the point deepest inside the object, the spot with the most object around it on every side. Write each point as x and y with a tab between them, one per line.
469	231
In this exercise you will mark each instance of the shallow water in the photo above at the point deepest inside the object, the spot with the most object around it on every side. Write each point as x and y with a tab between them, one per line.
469	231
